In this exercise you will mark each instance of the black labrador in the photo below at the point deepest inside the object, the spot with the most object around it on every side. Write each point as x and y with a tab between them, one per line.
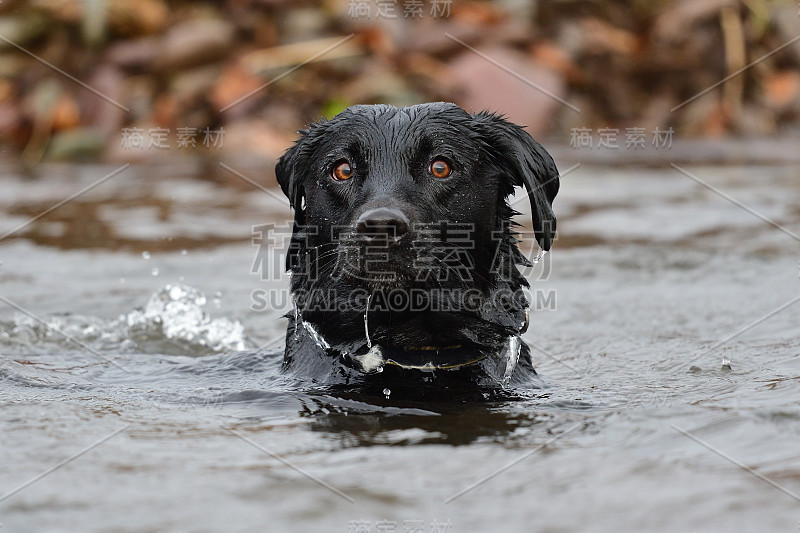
403	257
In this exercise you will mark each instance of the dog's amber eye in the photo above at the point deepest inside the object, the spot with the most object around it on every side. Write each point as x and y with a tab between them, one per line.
342	171
440	168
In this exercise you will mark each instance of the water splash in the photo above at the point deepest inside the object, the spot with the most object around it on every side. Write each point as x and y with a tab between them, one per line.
315	335
539	257
372	361
172	322
296	320
366	322
511	356
177	313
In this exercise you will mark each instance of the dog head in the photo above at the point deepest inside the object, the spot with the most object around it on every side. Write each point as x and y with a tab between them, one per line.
412	198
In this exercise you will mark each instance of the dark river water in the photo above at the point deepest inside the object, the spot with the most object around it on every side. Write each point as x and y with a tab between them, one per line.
140	384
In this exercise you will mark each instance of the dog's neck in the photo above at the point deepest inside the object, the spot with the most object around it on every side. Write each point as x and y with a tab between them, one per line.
368	343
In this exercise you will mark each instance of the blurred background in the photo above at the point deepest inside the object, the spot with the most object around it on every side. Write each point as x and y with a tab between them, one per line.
115	80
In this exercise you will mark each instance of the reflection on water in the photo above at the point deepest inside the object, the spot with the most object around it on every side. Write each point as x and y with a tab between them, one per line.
665	320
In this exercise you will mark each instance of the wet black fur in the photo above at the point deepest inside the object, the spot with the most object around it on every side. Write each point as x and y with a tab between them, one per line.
390	150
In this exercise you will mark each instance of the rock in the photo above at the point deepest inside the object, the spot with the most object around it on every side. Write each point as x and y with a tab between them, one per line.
123	17
384	85
67	11
430	75
782	89
420	38
100	114
8	6
302	24
675	23
286	56
265	32
554	57
10	123
140	92
94	22
66	113
255	137
590	36
166	111
11	65
21	29
42	100
657	112
518	92
190	86
786	19
477	14
142	17
603	38
134	54
8	91
193	43
754	121
78	143
234	83
704	117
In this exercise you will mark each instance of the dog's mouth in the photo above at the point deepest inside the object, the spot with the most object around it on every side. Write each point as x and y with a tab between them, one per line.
405	262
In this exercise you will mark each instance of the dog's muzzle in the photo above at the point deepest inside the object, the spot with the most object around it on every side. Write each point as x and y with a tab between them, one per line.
382	226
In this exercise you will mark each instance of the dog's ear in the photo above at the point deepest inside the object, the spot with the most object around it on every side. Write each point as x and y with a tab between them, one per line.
526	163
287	170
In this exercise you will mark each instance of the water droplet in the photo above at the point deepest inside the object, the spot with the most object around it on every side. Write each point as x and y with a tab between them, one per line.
366	323
145	255
154	272
175	292
539	257
387	392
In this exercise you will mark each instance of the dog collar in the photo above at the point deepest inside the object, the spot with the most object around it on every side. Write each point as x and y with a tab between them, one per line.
430	348
452	357
431	366
426	358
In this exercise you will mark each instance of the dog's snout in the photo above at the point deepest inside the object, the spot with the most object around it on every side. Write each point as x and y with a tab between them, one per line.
382	224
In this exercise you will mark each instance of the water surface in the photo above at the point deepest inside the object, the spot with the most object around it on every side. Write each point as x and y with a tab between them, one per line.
671	354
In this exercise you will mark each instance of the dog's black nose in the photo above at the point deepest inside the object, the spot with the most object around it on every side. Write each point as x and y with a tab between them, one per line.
382	224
